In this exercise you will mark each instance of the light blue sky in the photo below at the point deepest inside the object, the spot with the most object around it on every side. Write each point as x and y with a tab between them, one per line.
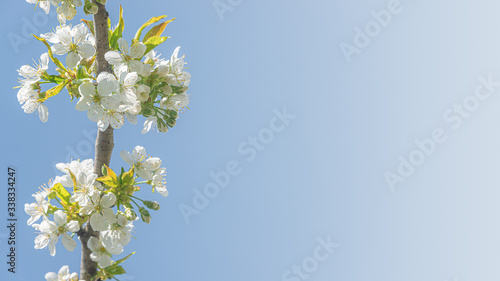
323	174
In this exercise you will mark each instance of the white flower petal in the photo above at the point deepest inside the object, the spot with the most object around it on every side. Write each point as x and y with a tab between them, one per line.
86	50
108	200
148	124
60	49
123	45
113	57
72	59
43	113
60	217
93	243
51	276
68	242
105	261
73	226
137	50
127	156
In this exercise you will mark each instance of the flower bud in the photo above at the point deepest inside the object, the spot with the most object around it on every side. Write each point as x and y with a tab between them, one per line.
171	122
145	216
162	127
173	113
146	111
90	8
153	205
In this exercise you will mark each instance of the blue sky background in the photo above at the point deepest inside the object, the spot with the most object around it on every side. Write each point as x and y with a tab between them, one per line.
323	175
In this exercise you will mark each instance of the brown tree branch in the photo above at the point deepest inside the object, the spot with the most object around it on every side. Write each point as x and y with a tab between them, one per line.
104	142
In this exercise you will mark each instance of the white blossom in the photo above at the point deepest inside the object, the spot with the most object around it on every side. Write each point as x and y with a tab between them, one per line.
38	209
60	227
175	102
173	70
32	105
99	209
71	41
102	102
102	253
85	179
44	4
127	57
158	182
127	89
119	233
32	74
67	10
143	92
85	188
143	166
42	240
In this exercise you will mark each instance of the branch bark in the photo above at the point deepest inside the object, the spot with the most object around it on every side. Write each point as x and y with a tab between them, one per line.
104	142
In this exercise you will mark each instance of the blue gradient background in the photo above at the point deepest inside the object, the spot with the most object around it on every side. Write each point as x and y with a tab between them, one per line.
324	174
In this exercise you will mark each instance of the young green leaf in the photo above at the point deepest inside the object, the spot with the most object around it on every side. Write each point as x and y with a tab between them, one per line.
55	60
146	24
153	42
53	91
157	30
127	178
110	180
117	33
61	193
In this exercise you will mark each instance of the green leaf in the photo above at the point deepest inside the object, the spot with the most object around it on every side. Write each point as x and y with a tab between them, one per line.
117	33
110	180
153	42
156	30
116	270
124	259
53	78
51	55
53	91
61	193
148	23
127	178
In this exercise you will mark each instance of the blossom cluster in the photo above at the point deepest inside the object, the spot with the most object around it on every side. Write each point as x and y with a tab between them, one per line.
79	197
140	83
66	9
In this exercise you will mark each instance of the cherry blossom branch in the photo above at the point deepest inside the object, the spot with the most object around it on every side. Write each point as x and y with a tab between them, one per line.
112	81
104	142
